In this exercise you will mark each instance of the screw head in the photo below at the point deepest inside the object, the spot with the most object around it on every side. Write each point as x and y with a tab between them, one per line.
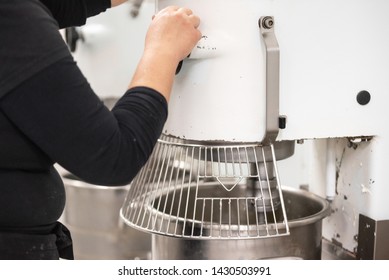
268	22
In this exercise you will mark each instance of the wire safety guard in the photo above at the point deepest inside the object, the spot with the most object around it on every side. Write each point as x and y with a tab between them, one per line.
171	195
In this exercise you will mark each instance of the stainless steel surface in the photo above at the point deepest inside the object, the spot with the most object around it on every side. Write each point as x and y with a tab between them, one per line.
305	213
167	197
92	216
266	25
270	196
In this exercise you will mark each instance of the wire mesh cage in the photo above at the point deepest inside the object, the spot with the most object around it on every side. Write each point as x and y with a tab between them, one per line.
210	191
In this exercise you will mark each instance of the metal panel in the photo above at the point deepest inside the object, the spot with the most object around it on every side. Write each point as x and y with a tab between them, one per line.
373	239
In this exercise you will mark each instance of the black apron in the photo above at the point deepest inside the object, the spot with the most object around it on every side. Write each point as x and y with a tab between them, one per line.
33	246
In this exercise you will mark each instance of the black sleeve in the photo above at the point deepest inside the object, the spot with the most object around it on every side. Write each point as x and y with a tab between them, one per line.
59	112
75	12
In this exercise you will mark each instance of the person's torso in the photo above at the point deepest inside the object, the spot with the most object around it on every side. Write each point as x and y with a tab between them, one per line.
31	191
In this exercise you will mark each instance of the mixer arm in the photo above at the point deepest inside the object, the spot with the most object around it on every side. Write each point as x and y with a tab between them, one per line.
266	25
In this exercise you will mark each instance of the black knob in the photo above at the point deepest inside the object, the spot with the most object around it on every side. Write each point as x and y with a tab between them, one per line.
363	97
282	122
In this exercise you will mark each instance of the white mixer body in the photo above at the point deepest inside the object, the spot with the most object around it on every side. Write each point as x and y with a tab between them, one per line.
330	50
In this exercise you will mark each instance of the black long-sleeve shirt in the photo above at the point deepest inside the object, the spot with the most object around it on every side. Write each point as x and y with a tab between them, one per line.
49	114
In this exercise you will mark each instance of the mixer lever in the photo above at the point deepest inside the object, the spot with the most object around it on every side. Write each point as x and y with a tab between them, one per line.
266	25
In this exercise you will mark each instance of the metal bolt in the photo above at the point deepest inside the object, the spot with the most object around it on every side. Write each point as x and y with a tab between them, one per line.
268	22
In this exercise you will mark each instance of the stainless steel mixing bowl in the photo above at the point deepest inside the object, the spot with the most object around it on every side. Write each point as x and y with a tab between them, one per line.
92	216
305	212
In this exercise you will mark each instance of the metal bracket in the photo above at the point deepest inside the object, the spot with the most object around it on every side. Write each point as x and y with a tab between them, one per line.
266	25
372	239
